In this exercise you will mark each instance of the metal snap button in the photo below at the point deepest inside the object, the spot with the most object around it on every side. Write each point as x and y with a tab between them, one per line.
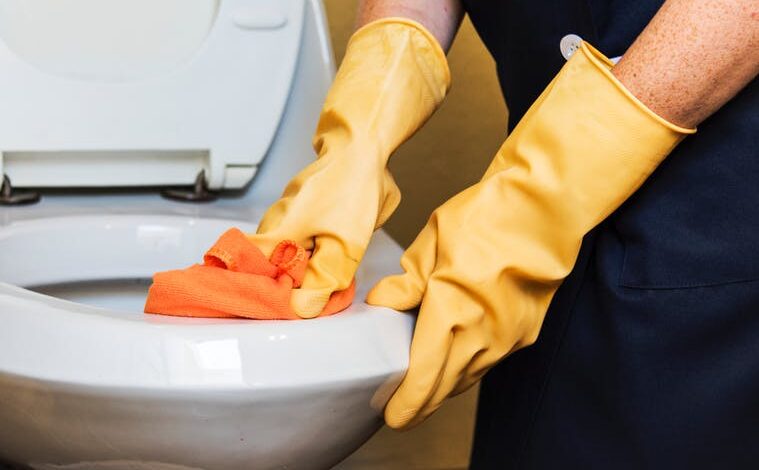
569	44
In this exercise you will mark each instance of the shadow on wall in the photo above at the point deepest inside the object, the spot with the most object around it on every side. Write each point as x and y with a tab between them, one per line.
453	149
450	153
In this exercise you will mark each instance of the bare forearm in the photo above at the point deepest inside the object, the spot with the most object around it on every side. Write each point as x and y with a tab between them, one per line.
440	17
693	57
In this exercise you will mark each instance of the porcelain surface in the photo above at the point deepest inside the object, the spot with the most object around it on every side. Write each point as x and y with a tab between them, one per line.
86	386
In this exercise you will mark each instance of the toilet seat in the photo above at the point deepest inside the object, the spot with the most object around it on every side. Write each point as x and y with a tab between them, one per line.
52	339
87	387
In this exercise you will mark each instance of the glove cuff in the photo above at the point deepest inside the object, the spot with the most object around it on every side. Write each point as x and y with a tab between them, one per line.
393	77
436	67
605	66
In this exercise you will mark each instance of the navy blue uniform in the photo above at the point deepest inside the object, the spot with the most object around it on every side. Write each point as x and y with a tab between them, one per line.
649	355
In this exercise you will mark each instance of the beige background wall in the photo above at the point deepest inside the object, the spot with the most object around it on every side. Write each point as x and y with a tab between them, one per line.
448	154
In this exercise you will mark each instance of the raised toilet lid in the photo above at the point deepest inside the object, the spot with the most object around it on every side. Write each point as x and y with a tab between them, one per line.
90	100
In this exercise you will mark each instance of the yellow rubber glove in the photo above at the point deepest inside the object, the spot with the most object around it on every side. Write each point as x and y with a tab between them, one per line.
487	264
393	77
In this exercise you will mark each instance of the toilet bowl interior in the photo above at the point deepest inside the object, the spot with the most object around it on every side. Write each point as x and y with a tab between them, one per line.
105	261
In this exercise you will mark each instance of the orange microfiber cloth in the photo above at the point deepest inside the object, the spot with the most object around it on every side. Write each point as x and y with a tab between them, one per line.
236	280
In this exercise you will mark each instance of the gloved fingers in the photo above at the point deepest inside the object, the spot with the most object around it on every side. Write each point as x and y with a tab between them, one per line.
454	379
428	359
309	303
405	291
266	242
331	268
467	382
420	416
273	217
478	365
398	292
296	199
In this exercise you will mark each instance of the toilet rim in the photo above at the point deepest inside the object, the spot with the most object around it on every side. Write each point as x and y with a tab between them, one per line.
51	339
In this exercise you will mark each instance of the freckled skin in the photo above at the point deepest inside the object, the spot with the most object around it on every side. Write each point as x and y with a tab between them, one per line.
690	60
693	57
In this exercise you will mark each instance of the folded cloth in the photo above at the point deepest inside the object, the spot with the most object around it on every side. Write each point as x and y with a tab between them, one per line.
236	280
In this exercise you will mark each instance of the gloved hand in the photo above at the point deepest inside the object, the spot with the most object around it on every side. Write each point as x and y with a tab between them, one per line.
485	267
393	77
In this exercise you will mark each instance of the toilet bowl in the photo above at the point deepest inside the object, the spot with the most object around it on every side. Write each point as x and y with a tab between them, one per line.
88	381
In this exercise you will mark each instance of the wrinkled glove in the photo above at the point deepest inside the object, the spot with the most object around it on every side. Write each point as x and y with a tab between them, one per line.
488	262
393	77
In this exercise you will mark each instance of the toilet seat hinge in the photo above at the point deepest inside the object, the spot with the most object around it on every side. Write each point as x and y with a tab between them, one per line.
198	193
12	197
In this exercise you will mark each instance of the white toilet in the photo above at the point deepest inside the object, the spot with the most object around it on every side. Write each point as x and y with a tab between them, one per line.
229	99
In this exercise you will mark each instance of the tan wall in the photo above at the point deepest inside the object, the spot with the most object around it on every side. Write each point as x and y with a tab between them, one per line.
448	154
